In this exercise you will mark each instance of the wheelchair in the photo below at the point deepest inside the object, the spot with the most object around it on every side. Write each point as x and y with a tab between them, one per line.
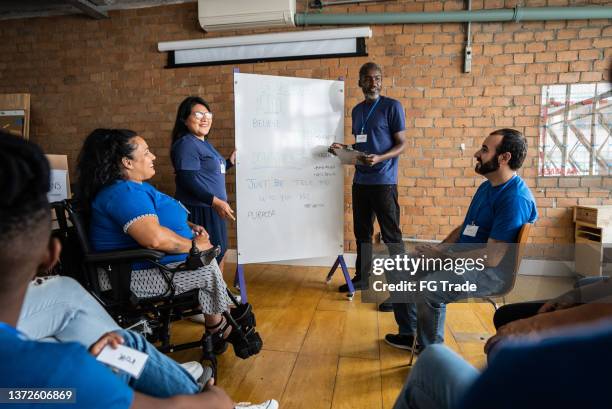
151	316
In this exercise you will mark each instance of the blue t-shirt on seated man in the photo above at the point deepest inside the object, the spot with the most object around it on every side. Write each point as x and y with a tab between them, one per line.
500	207
498	212
119	205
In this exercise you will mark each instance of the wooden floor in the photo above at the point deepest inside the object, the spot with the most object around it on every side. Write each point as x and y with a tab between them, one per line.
321	350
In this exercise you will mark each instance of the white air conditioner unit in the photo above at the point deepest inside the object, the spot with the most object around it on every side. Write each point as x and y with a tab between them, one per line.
217	15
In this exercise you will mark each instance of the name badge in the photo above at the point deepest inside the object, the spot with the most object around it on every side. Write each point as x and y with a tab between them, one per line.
362	138
126	359
470	230
222	167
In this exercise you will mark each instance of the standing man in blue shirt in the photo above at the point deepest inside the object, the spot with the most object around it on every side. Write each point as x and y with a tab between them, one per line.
500	207
378	126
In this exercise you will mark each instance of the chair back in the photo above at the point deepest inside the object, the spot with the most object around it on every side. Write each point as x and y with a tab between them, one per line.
78	221
521	241
519	250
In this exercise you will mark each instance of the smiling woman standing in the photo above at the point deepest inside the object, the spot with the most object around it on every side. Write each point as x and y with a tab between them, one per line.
200	171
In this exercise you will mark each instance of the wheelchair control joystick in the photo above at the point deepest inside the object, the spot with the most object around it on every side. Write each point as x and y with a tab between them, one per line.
197	258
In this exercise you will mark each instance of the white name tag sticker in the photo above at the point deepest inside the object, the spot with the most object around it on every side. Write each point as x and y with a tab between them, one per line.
362	138
470	230
126	359
222	167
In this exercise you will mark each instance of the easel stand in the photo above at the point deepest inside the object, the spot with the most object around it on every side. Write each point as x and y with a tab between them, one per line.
340	261
240	283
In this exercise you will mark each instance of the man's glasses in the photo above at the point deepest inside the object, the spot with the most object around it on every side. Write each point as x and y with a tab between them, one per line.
199	115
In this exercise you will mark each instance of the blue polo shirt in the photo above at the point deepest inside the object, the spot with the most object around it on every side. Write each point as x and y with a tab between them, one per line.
199	158
380	123
33	364
117	206
500	211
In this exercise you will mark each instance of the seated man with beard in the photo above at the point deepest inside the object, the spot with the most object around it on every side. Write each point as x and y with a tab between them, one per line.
500	207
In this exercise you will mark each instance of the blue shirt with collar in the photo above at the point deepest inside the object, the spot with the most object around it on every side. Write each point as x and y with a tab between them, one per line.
119	205
199	171
499	211
386	119
32	364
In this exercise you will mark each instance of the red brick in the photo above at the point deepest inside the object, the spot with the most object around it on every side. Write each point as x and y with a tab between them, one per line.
589	55
590	33
590	76
546	57
523	58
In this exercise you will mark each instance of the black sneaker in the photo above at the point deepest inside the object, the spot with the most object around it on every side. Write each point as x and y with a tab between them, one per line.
386	306
356	283
402	342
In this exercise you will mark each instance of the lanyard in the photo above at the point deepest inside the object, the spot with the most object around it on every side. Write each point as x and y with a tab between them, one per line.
365	121
496	195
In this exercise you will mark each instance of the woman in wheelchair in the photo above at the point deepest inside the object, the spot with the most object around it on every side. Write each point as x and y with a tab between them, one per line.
125	212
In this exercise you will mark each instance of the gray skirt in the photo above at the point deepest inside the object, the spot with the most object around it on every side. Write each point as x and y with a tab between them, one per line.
208	279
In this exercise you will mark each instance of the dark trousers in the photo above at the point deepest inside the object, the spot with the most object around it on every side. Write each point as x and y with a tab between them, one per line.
518	311
380	201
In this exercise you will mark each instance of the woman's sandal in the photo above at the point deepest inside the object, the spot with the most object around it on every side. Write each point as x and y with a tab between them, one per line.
219	342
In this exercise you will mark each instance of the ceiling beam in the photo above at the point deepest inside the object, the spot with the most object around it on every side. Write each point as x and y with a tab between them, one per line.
88	8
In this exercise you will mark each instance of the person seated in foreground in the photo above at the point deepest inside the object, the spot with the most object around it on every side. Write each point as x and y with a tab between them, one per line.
125	212
589	301
59	308
562	369
25	228
529	327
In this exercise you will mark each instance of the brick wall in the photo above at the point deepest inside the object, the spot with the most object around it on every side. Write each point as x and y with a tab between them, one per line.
84	74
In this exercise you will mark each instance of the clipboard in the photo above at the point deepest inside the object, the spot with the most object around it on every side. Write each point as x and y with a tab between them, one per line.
349	156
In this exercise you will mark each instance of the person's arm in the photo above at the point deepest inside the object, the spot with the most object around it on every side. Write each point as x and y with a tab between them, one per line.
231	161
453	236
539	323
583	294
150	234
397	124
212	397
495	251
399	142
188	180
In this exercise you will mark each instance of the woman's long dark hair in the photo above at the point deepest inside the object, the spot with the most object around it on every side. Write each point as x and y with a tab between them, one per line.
184	110
99	162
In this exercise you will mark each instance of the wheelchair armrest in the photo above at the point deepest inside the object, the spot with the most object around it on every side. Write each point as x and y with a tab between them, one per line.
124	256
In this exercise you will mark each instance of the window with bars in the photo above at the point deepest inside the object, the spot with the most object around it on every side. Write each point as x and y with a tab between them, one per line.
576	134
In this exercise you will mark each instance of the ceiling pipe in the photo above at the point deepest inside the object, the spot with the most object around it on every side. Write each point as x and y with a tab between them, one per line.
516	14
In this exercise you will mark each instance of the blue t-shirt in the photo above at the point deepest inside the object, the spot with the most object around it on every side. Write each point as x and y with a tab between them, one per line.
117	206
385	119
500	211
33	364
191	154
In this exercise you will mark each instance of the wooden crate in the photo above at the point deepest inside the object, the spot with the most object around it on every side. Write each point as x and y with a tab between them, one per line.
593	236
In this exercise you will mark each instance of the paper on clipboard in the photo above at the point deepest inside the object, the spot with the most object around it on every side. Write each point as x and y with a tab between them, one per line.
349	156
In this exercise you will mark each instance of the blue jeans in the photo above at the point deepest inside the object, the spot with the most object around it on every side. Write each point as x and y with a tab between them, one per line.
438	380
428	314
161	376
59	307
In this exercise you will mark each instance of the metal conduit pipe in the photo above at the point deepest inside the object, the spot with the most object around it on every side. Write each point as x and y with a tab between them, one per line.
516	14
